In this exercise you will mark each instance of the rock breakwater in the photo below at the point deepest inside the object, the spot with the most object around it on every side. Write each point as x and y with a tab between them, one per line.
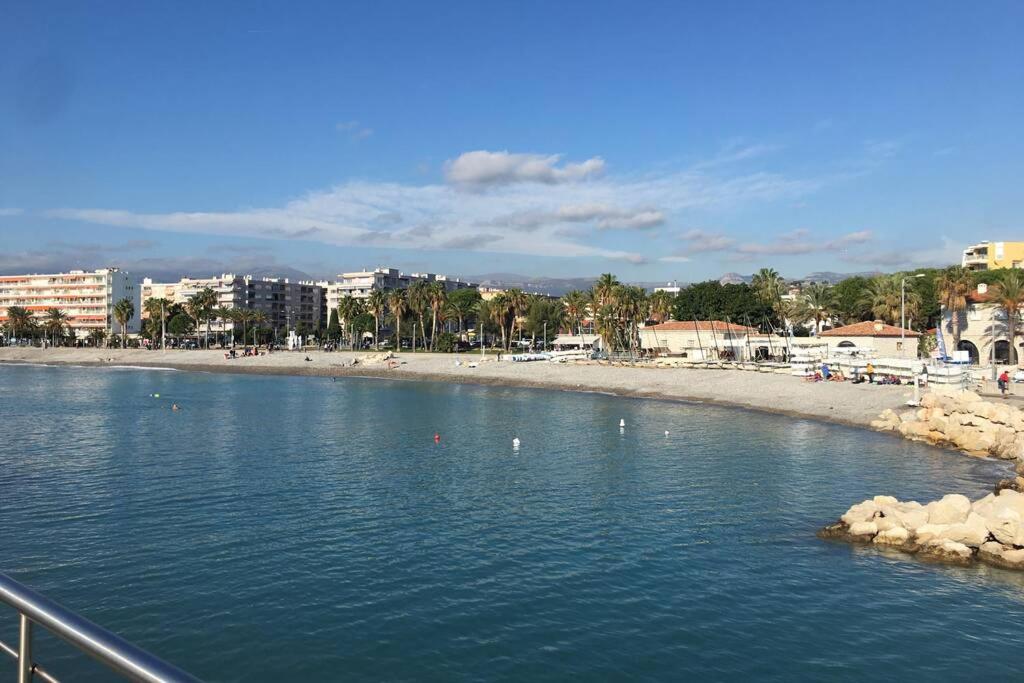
963	420
953	529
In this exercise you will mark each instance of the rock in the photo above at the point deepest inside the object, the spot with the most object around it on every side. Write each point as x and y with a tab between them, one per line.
882	501
1004	525
983	506
863	529
861	512
929	532
1019	466
947	551
951	509
1009	500
929	400
897	535
973	532
909	515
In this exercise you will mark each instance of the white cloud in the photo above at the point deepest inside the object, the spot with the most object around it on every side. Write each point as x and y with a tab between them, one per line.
482	169
539	218
701	242
11	212
354	129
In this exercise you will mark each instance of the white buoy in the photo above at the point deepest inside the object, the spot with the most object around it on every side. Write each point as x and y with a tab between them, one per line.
622	423
666	432
515	444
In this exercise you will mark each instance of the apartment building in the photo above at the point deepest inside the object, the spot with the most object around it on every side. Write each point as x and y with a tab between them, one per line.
991	255
984	330
286	304
87	297
359	284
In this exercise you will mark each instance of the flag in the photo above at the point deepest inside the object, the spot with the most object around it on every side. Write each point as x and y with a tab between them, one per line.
940	344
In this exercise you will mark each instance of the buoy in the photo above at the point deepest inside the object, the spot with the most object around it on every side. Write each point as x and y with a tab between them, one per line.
437	438
156	395
622	423
515	444
666	432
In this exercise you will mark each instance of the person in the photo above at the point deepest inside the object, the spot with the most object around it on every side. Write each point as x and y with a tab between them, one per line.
1004	383
870	371
825	372
174	406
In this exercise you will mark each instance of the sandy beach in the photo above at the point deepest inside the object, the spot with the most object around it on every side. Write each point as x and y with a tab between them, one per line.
838	402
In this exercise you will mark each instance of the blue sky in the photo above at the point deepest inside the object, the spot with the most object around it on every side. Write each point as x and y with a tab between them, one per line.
655	140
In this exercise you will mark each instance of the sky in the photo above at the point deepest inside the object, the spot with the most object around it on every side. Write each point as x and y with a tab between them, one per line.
656	140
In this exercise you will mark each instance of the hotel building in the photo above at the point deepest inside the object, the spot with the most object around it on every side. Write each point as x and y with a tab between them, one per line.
286	304
87	297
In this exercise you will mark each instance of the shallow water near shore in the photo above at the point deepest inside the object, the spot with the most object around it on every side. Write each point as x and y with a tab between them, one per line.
298	528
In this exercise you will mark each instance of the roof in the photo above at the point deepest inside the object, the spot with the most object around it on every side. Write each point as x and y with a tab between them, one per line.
869	329
701	326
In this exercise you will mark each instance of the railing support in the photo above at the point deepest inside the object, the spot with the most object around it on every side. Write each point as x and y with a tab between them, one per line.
25	651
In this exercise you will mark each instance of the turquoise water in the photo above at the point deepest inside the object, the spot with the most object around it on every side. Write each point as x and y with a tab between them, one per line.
302	529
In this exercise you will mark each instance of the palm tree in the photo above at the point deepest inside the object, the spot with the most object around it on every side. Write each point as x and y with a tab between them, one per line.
377	304
816	301
498	309
419	303
882	296
56	323
768	286
517	301
437	296
19	321
604	288
226	314
156	309
1008	293
661	306
258	319
575	303
198	307
399	305
348	309
97	337
123	312
954	285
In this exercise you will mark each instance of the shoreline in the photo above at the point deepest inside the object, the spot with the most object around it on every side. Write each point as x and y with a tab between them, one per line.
775	394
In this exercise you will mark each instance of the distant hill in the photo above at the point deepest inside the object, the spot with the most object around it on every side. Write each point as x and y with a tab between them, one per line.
735	279
834	278
555	286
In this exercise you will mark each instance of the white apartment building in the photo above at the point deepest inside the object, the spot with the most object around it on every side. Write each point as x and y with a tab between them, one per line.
287	304
87	297
359	284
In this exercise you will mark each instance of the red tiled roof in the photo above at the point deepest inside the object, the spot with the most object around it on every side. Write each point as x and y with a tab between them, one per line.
869	329
702	326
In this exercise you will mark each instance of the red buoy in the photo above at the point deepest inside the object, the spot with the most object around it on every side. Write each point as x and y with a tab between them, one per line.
437	438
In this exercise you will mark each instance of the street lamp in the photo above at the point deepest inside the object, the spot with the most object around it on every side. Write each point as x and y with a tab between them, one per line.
903	314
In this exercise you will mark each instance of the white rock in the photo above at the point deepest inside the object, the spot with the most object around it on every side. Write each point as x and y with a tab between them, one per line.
909	515
1009	500
897	535
929	532
882	501
861	512
972	532
947	550
952	509
863	529
1005	525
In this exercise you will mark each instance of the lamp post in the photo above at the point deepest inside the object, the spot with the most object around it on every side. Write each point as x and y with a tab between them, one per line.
903	314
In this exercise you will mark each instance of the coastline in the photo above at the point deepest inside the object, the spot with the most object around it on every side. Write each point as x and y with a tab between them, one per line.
841	403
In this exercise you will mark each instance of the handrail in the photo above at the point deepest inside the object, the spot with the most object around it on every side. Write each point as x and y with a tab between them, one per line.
94	640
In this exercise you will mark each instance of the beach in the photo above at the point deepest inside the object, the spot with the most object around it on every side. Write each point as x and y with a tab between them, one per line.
844	402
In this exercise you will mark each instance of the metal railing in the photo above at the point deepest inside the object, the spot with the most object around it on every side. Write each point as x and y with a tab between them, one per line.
110	649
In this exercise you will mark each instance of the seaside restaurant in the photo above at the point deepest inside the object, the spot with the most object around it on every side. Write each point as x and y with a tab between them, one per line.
704	340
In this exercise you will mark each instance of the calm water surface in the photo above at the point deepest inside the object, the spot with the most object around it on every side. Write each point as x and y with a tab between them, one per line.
297	528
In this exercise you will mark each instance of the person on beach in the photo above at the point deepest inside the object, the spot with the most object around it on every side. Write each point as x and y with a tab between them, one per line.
870	372
825	372
1004	383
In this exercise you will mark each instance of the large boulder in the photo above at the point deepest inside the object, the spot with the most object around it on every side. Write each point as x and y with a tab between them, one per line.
867	529
947	551
896	535
929	532
1004	525
1009	499
909	515
972	532
951	509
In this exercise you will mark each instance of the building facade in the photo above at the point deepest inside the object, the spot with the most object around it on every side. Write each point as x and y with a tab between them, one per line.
887	341
86	297
705	340
359	284
287	305
991	255
984	331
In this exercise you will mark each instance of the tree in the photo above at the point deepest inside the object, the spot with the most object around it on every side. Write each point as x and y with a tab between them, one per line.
199	307
848	300
399	305
712	300
156	309
517	301
437	296
815	302
1008	294
333	327
348	308
768	285
377	305
604	288
97	337
19	321
544	317
883	297
180	324
953	287
124	310
418	296
258	319
499	310
661	306
576	305
56	323
462	303
225	314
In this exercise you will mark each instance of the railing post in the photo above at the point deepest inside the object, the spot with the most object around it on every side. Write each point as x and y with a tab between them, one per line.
25	651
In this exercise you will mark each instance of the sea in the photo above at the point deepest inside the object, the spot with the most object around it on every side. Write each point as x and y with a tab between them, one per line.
304	529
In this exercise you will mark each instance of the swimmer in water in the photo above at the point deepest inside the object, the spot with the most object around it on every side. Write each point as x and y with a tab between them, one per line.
174	406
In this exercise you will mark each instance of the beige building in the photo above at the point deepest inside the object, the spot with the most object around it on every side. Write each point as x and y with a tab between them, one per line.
887	341
708	340
983	330
992	255
86	297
